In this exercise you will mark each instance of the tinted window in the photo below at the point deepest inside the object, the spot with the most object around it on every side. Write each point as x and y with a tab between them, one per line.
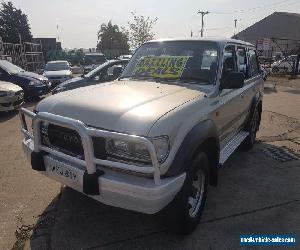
229	61
9	67
253	63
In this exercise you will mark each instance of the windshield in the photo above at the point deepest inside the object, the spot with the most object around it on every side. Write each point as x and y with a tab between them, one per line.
176	60
57	66
9	67
94	59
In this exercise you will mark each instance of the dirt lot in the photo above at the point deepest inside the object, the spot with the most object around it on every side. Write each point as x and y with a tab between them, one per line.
256	194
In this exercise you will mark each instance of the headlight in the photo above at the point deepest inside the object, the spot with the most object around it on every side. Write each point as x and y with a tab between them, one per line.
3	93
139	152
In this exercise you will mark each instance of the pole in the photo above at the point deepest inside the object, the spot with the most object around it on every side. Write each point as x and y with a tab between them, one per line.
235	34
203	13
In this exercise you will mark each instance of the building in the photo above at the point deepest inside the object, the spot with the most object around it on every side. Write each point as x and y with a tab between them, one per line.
48	44
282	28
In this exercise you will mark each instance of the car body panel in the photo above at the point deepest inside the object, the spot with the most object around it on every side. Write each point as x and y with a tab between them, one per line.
14	98
126	106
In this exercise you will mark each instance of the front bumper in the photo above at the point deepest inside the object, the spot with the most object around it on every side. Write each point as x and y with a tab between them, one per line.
119	189
118	185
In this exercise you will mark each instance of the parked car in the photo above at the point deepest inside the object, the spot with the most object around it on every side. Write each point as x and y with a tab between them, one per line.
285	65
33	85
154	139
77	69
57	72
92	61
11	96
106	72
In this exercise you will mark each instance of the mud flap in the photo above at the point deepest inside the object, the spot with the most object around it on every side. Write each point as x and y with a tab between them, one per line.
90	182
37	161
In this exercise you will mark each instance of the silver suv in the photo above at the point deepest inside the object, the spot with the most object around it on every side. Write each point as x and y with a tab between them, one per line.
154	139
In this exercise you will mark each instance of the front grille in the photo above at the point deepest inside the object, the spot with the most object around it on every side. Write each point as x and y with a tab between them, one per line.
65	139
18	102
69	141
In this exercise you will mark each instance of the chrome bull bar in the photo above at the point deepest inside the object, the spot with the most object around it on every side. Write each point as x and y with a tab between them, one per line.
86	134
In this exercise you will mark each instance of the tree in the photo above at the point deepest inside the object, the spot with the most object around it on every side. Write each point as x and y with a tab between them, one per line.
111	38
140	30
13	24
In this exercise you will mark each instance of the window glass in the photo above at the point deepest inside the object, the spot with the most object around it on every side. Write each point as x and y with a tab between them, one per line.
242	61
229	61
253	63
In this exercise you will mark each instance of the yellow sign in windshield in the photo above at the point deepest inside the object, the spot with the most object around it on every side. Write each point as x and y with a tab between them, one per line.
160	66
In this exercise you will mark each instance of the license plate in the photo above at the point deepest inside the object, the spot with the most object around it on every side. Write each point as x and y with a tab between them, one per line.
61	169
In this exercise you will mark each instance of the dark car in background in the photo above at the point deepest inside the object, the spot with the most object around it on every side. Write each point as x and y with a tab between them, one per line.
92	61
106	72
33	85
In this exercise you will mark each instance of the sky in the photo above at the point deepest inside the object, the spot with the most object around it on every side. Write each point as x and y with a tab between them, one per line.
79	20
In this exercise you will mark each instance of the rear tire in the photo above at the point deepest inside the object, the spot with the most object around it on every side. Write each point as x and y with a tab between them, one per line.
183	214
252	129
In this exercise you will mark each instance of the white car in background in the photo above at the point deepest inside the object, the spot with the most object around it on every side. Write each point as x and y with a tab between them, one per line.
57	72
11	96
285	65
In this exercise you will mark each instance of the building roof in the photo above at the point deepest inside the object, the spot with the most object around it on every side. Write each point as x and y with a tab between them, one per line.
277	25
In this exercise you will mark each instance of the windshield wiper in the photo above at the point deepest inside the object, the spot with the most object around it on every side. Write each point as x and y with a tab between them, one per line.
194	79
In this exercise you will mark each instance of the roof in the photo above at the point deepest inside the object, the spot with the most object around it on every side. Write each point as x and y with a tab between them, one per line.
277	25
220	40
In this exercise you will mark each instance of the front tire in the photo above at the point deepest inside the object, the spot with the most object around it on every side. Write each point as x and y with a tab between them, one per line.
183	214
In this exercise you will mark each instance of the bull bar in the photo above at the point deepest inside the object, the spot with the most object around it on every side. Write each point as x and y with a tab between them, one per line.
86	133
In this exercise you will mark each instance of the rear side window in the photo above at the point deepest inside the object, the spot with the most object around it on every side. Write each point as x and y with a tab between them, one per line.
253	63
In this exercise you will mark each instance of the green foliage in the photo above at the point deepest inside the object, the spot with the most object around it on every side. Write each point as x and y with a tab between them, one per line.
140	30
75	57
111	38
13	22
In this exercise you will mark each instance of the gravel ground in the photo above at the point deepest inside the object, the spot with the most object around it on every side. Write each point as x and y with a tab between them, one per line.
256	194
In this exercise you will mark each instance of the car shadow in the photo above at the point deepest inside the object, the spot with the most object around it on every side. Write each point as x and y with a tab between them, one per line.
5	116
249	182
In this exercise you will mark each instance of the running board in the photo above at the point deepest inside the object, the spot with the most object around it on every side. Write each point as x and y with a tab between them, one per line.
232	146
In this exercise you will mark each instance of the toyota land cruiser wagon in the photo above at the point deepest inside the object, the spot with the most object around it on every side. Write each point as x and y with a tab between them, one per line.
153	140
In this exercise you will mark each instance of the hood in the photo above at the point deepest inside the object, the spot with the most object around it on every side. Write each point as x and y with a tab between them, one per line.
130	107
31	75
57	73
71	82
7	86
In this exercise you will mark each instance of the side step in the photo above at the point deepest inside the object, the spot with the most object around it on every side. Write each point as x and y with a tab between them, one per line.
232	146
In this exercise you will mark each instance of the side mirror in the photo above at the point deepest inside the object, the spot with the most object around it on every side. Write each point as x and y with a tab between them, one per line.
233	80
